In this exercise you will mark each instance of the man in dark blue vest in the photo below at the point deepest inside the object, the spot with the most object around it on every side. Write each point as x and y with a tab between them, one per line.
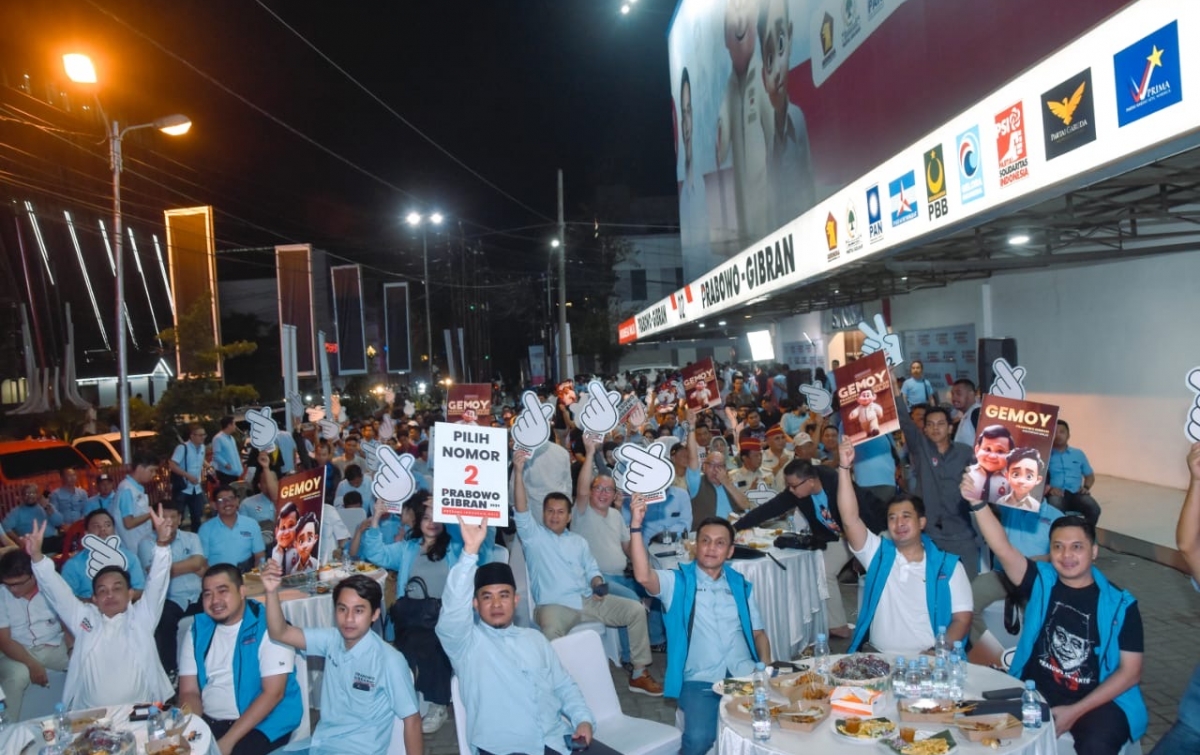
243	684
913	588
1082	639
714	629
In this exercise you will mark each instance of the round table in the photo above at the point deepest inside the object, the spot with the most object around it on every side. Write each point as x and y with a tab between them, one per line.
736	738
26	737
304	609
789	587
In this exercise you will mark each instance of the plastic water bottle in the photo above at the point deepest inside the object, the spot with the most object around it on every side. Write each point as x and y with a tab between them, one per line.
940	680
762	705
1031	707
926	677
64	724
912	680
958	672
3	715
155	729
821	655
899	685
941	648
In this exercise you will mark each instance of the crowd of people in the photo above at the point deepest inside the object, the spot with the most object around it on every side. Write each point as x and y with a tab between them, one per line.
907	512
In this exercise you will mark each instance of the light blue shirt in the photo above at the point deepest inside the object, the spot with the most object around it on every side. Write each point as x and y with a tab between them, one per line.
561	567
133	501
1028	532
70	503
917	391
101	502
258	507
287	451
223	544
513	687
1068	468
694	478
366	688
226	458
792	423
674	514
364	489
20	520
718	648
184	589
873	462
190	458
75	571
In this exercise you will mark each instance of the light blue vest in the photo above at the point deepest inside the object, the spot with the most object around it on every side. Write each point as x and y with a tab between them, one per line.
678	621
939	567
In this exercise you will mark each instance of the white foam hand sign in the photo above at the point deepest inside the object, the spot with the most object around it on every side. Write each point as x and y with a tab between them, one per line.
532	426
389	396
1192	427
295	405
370	450
760	494
394	482
329	429
387	427
879	339
637	415
102	553
819	399
263	429
410	409
599	414
1008	382
315	413
647	470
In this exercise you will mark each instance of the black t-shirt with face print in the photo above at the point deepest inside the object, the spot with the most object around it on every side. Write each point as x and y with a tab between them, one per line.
1065	664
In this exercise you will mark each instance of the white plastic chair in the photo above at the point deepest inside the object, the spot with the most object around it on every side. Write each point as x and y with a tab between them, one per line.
460	718
352	518
304	730
582	653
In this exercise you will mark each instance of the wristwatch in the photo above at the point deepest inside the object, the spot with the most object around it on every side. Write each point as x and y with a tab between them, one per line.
975	507
635	530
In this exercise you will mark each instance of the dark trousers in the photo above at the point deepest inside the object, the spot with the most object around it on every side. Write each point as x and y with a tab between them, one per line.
1101	731
165	634
431	668
225	479
254	743
194	503
1080	502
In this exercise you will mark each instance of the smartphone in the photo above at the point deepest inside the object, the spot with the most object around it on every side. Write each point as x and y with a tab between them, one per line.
1008	693
573	744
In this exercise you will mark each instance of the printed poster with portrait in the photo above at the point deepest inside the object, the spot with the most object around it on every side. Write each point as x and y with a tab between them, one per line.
1013	439
865	398
297	547
700	385
469	404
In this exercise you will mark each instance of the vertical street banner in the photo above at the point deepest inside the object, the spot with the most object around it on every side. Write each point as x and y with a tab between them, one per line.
293	269
349	321
469	404
865	398
397	346
470	474
192	259
700	385
298	532
1013	439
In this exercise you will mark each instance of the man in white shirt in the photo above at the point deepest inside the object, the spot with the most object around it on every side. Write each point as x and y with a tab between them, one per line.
115	660
247	690
31	636
913	589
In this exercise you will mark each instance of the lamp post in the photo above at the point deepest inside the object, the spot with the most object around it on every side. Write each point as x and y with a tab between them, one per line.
79	69
416	220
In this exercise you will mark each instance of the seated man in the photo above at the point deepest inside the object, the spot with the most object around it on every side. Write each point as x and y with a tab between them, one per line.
114	661
1071	477
776	455
187	564
33	508
355	481
913	588
711	490
1082	639
714	629
368	688
514	689
246	688
106	496
68	499
31	636
80	569
566	583
230	537
751	474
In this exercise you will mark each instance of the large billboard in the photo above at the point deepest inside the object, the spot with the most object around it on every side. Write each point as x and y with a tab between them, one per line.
294	271
191	255
778	104
348	319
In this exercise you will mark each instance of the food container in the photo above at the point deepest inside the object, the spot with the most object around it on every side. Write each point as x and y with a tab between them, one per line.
995	726
796	686
172	745
857	701
803	716
742	708
928	711
865	670
82	719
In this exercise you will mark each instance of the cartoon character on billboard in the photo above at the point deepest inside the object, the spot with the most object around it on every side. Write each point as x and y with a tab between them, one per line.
739	127
1024	473
789	157
868	412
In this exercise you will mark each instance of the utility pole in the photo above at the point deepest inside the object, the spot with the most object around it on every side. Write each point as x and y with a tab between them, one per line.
562	285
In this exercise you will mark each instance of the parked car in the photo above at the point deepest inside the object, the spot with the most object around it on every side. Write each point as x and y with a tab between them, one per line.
31	460
105	450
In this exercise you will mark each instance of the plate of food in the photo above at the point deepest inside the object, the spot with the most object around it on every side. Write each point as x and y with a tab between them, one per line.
743	708
864	730
802	716
915	742
932	711
738	687
872	672
996	726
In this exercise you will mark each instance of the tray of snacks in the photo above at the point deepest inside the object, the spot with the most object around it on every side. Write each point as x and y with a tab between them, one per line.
733	686
742	708
982	728
914	742
102	740
805	685
802	716
925	711
872	672
864	730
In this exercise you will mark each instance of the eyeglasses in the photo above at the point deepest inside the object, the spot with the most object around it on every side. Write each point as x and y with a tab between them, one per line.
227	499
604	489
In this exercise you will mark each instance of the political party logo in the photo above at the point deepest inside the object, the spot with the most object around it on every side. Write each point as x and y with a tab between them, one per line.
1011	145
970	170
903	192
1147	75
828	51
874	214
851	21
831	237
935	183
854	240
873	9
1070	120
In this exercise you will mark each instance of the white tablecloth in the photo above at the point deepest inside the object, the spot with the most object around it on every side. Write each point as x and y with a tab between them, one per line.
791	601
26	736
304	610
736	737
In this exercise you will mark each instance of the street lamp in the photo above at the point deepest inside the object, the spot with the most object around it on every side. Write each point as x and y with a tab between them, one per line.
79	69
415	220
